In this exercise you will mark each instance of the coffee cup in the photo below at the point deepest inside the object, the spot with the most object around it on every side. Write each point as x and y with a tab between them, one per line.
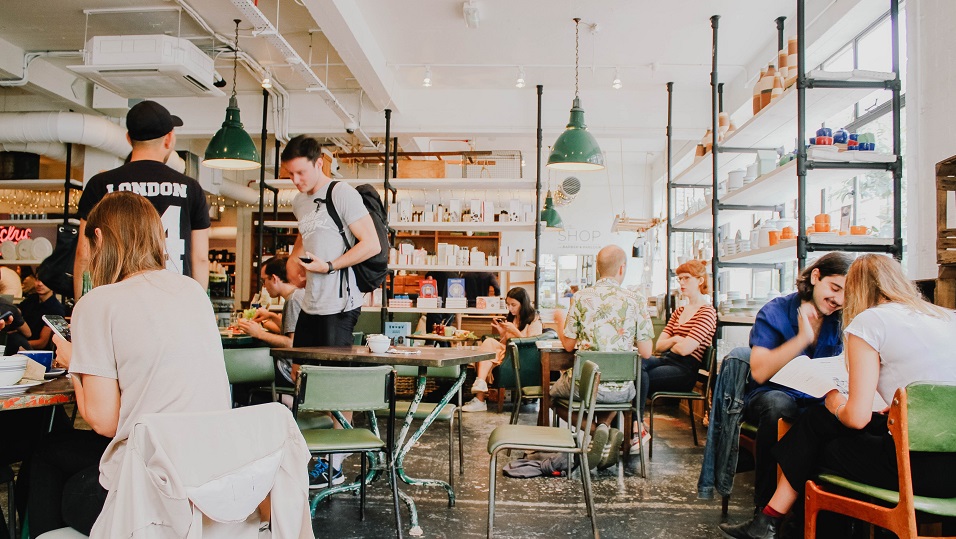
43	357
378	344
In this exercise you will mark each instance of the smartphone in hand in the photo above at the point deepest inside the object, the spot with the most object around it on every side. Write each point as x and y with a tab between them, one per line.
305	259
59	325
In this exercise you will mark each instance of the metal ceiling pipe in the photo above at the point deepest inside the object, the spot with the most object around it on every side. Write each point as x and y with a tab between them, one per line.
63	127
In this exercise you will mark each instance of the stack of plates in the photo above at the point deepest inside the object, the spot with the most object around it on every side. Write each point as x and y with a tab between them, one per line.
8	250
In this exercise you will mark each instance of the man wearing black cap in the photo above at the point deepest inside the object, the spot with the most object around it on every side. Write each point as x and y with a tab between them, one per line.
178	198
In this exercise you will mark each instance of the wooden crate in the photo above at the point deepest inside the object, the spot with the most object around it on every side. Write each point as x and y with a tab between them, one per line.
421	169
945	237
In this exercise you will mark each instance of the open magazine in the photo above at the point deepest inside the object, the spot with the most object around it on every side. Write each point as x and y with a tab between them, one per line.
817	377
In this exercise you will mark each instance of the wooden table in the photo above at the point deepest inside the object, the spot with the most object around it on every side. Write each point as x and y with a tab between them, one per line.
424	358
553	358
52	393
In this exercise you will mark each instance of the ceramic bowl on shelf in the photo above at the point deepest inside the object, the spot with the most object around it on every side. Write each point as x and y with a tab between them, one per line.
8	250
25	249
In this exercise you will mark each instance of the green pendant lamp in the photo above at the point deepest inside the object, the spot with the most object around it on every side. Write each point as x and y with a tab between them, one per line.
576	148
231	148
550	215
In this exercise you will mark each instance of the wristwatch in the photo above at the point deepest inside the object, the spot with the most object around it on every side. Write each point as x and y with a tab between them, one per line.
331	269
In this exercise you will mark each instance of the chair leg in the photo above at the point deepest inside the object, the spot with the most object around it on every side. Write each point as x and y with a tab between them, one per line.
650	444
589	497
693	421
361	486
393	478
492	472
461	446
516	405
500	399
451	452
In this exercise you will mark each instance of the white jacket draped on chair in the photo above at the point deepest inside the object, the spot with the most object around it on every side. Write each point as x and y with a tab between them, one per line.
205	474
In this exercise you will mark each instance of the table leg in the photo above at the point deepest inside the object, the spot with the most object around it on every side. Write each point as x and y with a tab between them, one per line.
545	408
404	448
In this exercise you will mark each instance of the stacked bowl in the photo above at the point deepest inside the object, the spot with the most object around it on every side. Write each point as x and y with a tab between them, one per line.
12	369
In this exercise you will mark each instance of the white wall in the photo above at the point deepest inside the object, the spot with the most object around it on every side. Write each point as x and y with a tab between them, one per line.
930	129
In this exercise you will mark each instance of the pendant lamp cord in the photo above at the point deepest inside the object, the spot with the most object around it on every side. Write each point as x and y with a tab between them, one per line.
577	21
235	58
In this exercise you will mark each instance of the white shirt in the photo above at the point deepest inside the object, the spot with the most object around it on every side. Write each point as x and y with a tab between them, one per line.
913	346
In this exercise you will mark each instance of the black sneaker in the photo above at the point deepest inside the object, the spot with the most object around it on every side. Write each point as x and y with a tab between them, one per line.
319	476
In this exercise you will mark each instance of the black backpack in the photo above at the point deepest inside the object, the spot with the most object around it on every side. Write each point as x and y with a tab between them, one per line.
57	269
369	274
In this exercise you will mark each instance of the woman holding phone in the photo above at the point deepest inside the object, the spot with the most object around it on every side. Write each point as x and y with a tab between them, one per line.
522	321
144	340
893	338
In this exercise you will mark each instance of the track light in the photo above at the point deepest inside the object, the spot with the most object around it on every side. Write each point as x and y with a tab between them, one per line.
427	81
266	80
617	80
519	83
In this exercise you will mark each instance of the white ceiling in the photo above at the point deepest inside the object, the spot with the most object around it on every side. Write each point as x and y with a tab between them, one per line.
372	55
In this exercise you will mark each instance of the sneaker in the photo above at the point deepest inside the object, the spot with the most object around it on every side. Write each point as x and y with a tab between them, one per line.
641	440
612	451
319	476
479	385
475	405
598	445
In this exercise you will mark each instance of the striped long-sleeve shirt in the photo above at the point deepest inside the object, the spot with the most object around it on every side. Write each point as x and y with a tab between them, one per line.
701	327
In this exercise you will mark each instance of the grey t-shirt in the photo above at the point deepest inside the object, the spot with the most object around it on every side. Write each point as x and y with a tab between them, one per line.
290	311
327	294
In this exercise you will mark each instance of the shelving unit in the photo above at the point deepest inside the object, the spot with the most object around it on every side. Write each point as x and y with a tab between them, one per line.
431	183
493	269
464	227
781	123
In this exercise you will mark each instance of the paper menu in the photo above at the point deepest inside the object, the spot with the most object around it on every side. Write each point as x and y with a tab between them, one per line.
817	377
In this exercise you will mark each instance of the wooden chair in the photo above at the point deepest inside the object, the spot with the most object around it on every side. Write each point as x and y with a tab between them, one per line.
553	440
920	419
704	375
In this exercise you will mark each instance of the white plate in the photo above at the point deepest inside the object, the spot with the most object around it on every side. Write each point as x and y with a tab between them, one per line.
25	249
42	248
17	389
8	250
54	373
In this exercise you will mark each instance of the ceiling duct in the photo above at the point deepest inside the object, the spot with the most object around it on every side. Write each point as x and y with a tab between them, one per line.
266	30
149	66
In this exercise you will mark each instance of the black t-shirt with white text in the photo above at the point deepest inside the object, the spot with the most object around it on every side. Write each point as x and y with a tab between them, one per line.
178	198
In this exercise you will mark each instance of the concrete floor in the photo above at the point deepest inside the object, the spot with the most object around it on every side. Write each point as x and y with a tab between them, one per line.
663	505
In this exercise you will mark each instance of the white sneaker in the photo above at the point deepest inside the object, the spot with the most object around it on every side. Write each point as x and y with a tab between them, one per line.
474	405
479	385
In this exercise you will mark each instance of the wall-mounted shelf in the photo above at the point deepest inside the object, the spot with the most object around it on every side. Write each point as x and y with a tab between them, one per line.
16	262
436	310
39	185
784	251
701	218
430	183
494	269
465	227
774	126
16	222
737	320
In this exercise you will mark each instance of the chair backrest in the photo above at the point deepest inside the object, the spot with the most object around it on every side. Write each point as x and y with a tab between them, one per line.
358	337
589	380
708	370
615	366
928	429
247	365
344	388
528	364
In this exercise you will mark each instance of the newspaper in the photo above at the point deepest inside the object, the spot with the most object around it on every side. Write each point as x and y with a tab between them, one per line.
817	377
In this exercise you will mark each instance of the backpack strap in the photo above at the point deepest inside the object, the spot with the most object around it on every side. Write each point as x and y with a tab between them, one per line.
330	206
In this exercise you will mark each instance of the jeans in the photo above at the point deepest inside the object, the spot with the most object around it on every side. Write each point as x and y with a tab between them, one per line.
764	410
670	372
64	483
325	329
723	432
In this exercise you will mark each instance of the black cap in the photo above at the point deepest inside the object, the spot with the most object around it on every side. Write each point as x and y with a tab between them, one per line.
149	120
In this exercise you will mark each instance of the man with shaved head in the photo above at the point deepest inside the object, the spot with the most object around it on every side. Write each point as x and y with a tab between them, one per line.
607	317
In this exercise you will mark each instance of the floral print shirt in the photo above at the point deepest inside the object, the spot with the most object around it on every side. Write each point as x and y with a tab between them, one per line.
608	318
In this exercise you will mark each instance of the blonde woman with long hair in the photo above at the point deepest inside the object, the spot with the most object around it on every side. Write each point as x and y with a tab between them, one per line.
893	338
144	341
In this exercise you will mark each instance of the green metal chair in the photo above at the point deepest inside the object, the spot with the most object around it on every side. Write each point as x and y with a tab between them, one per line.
358	337
704	375
522	376
351	389
615	367
551	439
251	366
447	413
918	422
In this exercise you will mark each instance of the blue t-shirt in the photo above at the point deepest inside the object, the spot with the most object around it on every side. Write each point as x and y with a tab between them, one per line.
777	323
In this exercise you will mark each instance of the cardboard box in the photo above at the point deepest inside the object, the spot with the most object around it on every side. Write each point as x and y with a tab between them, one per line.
421	169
